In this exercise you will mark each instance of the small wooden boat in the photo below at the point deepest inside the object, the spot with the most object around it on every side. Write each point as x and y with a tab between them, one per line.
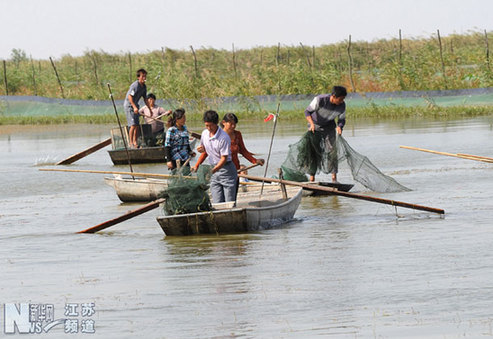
251	213
137	155
138	189
143	155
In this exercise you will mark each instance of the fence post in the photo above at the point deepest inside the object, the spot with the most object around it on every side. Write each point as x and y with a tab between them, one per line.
350	63
5	78
487	50
441	58
195	62
33	76
57	77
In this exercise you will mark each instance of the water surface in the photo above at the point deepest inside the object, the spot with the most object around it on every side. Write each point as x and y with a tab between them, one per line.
343	268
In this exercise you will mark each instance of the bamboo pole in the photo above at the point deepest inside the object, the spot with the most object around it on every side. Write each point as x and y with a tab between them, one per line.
144	175
57	77
457	155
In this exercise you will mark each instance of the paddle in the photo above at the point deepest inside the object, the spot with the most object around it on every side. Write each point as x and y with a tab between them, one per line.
458	155
86	152
345	194
126	216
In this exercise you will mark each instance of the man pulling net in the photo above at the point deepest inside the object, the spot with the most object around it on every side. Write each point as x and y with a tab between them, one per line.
322	147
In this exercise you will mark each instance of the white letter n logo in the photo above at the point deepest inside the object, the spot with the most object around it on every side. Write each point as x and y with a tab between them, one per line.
17	318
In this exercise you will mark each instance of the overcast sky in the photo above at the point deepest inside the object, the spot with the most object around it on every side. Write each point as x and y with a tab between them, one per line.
44	28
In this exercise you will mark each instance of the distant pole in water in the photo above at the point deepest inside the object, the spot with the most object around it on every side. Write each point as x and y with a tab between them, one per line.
121	131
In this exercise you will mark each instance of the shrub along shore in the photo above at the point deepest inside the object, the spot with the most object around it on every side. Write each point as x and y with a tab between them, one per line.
387	65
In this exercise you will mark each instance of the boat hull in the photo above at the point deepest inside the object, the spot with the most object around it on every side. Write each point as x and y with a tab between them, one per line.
251	214
140	189
137	155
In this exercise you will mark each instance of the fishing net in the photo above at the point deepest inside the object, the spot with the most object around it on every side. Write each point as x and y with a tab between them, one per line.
313	154
188	194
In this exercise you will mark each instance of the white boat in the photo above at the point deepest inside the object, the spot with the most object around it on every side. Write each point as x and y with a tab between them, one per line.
251	213
138	189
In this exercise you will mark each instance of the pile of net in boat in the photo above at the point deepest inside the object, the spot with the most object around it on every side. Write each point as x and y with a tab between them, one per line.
188	194
314	154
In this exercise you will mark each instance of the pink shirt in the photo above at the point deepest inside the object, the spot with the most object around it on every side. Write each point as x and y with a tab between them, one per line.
156	111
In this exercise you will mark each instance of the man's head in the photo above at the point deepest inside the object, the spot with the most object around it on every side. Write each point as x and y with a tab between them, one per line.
338	95
142	75
211	119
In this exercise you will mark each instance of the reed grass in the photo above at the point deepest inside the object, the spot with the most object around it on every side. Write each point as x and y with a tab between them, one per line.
353	113
377	66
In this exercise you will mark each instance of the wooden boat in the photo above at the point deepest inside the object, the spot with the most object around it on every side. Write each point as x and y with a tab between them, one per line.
140	189
137	155
143	155
251	213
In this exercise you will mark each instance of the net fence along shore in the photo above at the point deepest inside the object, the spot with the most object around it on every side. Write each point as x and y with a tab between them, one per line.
42	106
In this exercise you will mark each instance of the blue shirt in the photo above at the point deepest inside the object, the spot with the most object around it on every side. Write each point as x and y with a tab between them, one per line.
179	143
137	91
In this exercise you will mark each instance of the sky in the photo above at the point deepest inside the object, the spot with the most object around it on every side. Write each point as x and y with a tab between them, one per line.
44	28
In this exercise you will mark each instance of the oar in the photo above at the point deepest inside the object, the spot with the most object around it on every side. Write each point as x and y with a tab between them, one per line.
145	175
247	168
345	194
462	156
126	216
86	152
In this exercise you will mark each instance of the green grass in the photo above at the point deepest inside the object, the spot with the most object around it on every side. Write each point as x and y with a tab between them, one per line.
377	66
354	113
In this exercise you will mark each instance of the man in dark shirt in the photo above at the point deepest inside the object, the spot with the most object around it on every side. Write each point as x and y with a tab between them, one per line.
321	115
136	91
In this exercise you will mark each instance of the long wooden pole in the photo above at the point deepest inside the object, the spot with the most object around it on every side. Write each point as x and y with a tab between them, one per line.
457	155
345	194
137	174
150	206
86	152
121	129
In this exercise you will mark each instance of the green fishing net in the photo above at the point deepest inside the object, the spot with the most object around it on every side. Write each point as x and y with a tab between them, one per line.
188	194
314	154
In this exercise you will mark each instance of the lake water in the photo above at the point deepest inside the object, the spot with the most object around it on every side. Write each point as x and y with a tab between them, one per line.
344	268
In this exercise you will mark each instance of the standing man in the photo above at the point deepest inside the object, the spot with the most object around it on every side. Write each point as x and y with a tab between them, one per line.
321	115
136	91
217	145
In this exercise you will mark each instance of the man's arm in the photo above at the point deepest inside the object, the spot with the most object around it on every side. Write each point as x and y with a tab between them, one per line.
220	164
